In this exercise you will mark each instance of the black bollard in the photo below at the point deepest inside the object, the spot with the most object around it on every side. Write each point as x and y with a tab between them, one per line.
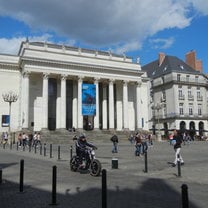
17	146
35	148
59	153
41	148
104	189
44	149
145	162
11	146
71	151
185	201
179	165
21	175
53	202
50	150
0	176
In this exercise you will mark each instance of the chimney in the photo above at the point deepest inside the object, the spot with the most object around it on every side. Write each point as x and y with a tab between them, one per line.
193	62
161	58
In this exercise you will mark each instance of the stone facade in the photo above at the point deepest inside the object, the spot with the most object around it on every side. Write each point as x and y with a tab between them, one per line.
48	79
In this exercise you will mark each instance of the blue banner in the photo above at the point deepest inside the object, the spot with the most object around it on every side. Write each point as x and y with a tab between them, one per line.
88	99
5	120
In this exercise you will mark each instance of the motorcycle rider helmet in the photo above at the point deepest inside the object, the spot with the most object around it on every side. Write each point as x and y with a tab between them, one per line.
82	136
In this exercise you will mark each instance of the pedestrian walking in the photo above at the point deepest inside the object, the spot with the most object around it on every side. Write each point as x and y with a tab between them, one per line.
131	138
38	139
19	138
177	147
144	143
114	139
138	144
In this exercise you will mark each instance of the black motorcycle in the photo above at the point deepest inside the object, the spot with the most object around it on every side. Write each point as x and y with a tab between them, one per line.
91	164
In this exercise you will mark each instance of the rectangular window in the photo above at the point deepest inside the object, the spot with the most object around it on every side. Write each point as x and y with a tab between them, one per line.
196	79
198	94
187	78
181	108
178	77
199	110
189	93
180	93
191	109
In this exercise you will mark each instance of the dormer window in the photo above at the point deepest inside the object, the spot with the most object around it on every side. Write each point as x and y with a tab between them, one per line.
165	68
182	67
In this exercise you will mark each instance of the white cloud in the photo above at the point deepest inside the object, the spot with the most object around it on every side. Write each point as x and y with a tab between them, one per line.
129	46
11	46
162	43
120	24
201	6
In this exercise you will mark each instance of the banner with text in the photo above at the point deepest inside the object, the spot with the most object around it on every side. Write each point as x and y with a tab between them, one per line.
88	99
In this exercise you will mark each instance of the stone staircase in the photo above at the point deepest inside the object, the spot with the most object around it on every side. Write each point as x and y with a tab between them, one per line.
64	136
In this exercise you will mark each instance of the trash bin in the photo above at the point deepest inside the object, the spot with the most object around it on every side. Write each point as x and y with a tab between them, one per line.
114	163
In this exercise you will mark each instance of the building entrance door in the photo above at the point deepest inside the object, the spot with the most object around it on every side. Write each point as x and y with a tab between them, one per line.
88	123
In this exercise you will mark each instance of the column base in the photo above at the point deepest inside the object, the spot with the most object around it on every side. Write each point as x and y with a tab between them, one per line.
45	130
159	137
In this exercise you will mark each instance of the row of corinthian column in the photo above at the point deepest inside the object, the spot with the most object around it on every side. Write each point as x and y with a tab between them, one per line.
107	116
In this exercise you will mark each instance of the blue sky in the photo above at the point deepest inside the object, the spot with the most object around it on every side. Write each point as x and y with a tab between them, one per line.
138	28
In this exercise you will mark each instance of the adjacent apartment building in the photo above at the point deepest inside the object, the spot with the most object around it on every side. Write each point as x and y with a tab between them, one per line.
178	94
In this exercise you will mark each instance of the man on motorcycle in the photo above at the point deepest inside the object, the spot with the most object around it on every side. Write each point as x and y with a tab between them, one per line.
81	148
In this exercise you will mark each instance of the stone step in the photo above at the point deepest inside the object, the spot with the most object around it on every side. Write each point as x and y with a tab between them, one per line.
66	136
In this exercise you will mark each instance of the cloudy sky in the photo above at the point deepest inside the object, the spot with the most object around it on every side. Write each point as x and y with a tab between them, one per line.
138	28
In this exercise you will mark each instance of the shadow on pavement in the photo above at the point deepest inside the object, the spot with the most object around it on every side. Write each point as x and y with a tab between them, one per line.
5	165
154	193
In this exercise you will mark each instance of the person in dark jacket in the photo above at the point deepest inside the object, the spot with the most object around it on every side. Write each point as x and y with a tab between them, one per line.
177	147
81	147
114	139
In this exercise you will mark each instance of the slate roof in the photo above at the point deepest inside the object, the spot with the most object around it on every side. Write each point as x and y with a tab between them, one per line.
170	64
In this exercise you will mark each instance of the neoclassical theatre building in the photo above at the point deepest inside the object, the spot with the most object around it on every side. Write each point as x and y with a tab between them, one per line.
60	87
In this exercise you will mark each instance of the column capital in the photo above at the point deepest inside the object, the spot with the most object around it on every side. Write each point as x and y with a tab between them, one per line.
125	82
26	74
96	79
139	83
80	78
45	75
64	76
111	81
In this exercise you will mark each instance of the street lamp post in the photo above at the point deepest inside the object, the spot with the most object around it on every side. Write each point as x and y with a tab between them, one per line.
10	97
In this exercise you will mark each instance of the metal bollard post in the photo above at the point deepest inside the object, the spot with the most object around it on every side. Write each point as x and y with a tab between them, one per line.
29	147
35	148
21	175
71	151
185	201
44	149
179	165
17	146
51	150
0	176
59	152
10	146
53	202
41	148
104	189
145	162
